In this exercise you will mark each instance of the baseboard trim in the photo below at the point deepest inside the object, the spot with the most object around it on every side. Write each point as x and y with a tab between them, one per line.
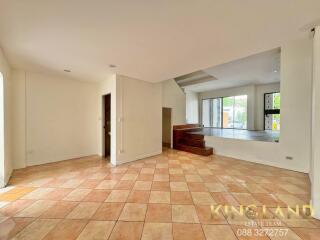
139	157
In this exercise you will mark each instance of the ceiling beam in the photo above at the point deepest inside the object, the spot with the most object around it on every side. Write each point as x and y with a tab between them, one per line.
198	81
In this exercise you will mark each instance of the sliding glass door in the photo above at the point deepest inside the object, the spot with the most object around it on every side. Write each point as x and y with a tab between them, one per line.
206	111
225	112
216	112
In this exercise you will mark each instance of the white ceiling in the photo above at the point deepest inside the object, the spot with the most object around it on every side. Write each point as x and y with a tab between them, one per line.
262	68
147	39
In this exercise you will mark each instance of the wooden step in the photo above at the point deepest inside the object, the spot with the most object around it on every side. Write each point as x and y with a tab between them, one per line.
203	151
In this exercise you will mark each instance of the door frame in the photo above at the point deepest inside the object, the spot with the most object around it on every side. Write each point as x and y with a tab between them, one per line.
103	126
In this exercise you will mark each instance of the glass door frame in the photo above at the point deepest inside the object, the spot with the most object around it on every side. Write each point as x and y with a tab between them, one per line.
221	112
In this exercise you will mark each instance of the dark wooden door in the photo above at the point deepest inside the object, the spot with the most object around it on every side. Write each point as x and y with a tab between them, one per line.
107	124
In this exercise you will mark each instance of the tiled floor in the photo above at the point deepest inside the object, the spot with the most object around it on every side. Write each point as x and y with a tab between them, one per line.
164	197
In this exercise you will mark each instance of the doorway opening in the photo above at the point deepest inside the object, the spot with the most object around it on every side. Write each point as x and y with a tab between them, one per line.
107	125
166	127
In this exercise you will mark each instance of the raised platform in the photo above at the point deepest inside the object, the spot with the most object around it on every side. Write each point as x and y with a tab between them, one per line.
264	136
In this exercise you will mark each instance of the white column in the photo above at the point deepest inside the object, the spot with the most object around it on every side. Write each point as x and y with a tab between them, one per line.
315	164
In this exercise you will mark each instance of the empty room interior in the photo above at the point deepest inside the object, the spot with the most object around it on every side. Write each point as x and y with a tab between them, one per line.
160	120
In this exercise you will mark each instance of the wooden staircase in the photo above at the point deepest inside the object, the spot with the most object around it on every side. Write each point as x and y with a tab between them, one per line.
185	140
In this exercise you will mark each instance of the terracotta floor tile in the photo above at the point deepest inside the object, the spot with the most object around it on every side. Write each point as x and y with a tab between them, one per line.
181	198
108	211
139	196
72	183
55	183
38	229
175	171
290	200
107	184
59	210
90	183
235	188
246	199
197	187
215	187
14	207
159	197
38	193
184	214
57	194
202	198
209	215
161	177
12	226
224	199
182	231
15	193
145	177
118	196
130	176
157	231
77	195
159	213
255	188
218	232
294	189
268	200
142	185
36	209
160	186
147	171
124	185
193	178
177	178
307	233
179	186
133	212
97	196
127	231
114	176
95	230
84	210
66	229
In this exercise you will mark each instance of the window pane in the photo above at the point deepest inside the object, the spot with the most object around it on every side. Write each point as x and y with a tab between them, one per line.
272	101
228	103
272	119
276	122
240	112
206	112
216	112
276	101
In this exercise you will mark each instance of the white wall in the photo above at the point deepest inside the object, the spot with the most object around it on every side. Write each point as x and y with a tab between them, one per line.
295	139
60	118
139	113
192	107
136	118
315	160
245	90
6	158
19	118
173	97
